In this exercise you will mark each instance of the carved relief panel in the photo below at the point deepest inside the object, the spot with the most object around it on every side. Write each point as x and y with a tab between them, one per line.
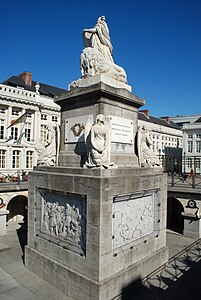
63	219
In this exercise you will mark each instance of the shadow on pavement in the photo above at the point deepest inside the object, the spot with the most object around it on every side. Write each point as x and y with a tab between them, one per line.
22	237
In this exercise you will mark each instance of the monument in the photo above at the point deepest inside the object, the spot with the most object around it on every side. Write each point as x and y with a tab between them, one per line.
97	218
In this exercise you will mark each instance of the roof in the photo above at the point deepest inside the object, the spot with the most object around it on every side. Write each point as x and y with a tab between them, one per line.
44	89
198	120
158	121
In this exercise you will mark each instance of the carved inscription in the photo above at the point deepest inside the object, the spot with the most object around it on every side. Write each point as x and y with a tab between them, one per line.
122	130
133	219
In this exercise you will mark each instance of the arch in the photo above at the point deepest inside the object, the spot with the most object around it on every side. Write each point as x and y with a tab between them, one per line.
175	221
17	207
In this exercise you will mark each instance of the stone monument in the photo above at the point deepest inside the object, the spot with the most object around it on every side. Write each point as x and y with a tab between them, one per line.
97	219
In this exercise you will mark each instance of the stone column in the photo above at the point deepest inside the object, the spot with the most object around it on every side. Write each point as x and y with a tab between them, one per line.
3	214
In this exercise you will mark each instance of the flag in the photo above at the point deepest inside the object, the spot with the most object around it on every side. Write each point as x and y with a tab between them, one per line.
18	120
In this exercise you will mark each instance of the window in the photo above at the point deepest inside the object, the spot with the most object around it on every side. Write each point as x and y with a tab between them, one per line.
198	136
2	110
29	115
198	146
153	146
2	159
43	117
16	159
190	136
190	146
54	119
15	112
14	133
189	163
1	129
28	132
29	160
197	163
43	134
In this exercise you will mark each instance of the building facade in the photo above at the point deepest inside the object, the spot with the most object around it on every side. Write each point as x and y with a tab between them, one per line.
191	128
20	96
165	134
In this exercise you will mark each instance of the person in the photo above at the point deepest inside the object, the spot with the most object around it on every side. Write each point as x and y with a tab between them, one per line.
191	172
99	154
100	38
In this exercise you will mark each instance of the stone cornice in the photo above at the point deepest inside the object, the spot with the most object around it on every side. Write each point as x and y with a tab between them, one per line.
20	96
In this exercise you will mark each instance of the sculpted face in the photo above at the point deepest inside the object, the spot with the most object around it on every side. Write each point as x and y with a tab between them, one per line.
100	118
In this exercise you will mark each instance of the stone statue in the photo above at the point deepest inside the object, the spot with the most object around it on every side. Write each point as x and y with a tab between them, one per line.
147	158
96	58
48	155
98	144
99	38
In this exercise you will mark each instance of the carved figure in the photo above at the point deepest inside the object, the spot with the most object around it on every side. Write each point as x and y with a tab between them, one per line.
98	144
48	155
147	158
96	57
99	38
62	222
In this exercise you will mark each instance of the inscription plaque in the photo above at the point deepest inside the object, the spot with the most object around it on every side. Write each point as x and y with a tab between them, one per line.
121	130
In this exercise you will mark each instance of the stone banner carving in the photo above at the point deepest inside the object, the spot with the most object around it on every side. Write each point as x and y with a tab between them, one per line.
133	219
63	217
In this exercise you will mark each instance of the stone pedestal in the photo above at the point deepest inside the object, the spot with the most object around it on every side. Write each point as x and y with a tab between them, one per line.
192	226
92	232
3	214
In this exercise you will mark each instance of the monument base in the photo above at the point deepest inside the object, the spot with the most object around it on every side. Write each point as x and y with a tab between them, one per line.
77	285
92	232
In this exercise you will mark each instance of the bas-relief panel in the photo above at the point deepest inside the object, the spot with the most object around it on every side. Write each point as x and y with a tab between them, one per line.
63	218
75	128
133	219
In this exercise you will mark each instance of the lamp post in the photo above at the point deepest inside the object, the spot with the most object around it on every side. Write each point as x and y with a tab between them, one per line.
184	162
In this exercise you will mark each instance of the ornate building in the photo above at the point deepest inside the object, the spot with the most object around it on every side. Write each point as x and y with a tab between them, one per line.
165	133
30	107
191	128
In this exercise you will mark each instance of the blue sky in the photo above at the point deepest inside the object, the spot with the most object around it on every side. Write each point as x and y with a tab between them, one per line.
157	42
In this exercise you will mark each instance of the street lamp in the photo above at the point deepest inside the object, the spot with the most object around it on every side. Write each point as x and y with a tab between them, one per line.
184	162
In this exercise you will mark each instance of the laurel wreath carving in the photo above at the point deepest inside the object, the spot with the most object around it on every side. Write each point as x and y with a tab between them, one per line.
77	129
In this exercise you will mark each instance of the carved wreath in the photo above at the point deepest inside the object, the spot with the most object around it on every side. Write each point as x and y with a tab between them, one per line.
77	129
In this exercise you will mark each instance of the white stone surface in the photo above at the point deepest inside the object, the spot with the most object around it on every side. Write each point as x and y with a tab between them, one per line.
122	130
75	128
96	57
133	219
105	78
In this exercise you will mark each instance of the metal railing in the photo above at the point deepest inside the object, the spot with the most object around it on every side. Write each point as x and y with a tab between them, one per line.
182	171
16	177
